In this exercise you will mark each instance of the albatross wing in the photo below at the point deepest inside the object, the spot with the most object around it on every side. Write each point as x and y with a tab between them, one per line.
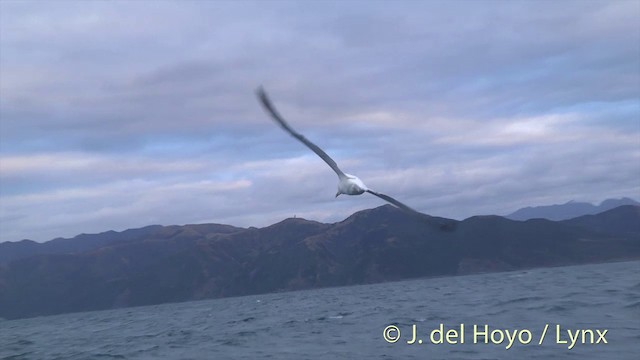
262	95
392	201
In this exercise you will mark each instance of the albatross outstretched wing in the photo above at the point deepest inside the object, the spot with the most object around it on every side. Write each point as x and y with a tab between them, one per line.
262	95
393	201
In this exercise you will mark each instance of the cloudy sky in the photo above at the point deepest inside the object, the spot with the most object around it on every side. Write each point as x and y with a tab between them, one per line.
123	114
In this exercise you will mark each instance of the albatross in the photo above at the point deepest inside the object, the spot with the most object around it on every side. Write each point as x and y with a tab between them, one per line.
347	184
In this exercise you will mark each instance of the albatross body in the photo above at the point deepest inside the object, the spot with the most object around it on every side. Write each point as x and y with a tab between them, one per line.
347	184
350	185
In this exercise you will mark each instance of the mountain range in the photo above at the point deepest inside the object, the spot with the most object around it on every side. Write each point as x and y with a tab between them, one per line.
159	264
568	210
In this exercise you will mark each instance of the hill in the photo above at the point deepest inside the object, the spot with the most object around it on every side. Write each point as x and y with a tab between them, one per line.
569	210
155	265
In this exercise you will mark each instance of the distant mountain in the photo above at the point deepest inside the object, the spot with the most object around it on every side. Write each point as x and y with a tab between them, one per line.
180	263
569	210
10	251
621	221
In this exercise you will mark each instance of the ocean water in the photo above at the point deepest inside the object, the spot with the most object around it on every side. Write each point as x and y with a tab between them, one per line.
600	303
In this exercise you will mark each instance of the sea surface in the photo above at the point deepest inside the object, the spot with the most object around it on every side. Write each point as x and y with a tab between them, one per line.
349	322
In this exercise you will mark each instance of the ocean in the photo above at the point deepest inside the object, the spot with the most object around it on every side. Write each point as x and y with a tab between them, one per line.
585	312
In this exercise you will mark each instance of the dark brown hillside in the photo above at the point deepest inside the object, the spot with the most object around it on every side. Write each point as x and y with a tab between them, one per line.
180	263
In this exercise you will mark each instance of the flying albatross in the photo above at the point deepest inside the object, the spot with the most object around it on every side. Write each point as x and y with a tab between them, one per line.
347	184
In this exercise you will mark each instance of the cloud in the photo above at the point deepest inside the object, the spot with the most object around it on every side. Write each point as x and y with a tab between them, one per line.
119	114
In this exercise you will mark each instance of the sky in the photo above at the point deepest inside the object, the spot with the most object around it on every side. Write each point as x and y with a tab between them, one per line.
122	114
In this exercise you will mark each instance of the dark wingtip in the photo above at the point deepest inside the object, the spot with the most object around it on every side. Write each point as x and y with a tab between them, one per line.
261	93
264	99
